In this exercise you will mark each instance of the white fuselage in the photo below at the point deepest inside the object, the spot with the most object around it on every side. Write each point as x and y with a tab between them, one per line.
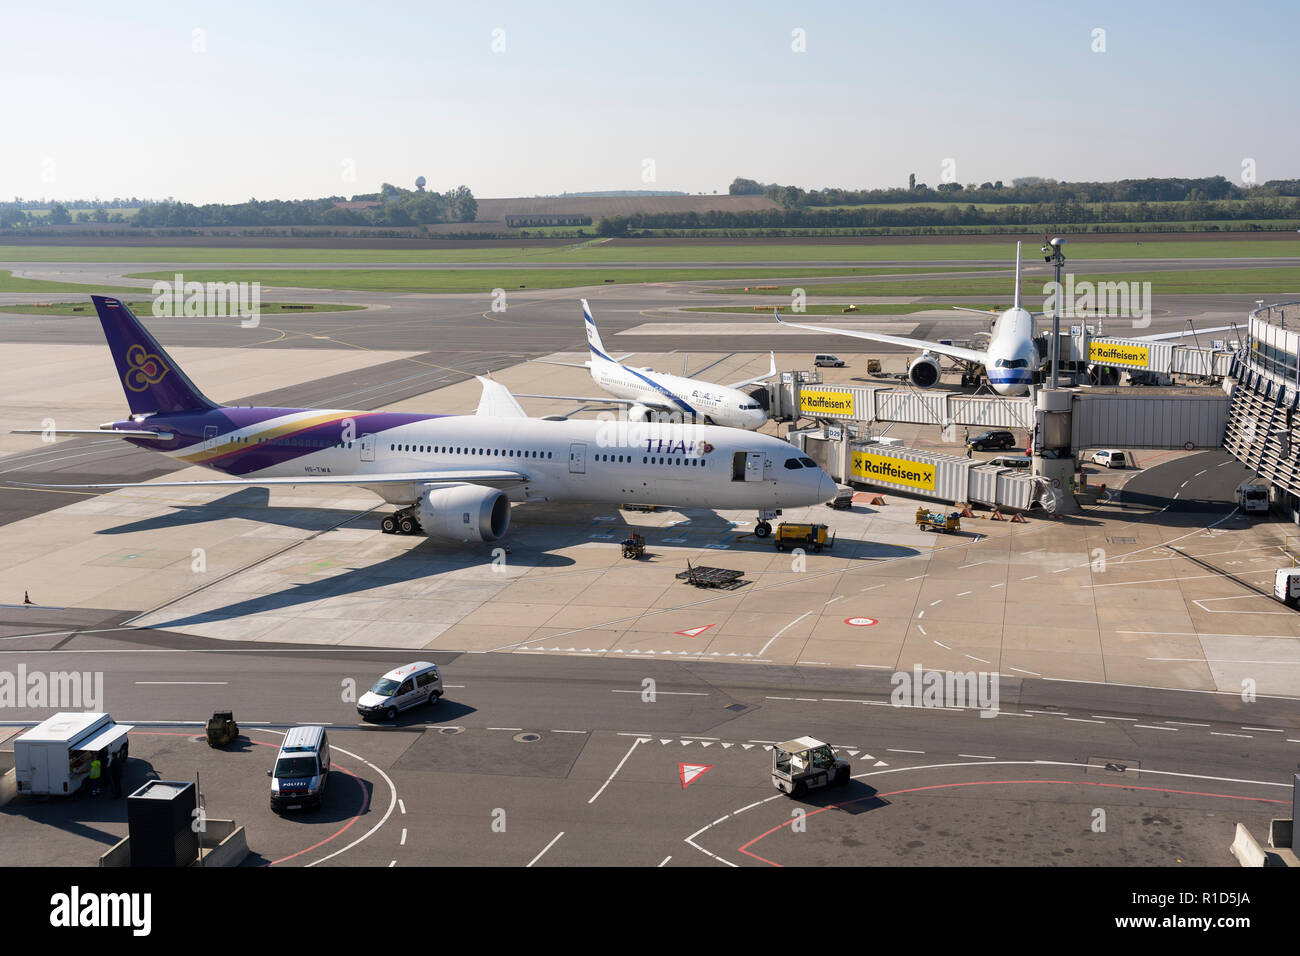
691	398
1013	358
669	464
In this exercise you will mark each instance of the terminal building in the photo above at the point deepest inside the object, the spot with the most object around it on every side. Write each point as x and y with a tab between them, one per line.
1265	390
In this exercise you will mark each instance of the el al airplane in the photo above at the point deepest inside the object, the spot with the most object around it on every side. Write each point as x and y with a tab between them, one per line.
452	476
1014	356
645	391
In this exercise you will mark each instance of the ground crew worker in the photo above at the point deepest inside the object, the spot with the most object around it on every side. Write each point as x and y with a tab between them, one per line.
96	768
116	764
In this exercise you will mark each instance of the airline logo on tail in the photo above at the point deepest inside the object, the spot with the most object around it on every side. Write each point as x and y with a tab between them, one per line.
143	369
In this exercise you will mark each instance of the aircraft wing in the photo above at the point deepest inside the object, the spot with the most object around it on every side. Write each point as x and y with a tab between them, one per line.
1185	332
587	365
758	378
952	351
605	400
481	476
105	432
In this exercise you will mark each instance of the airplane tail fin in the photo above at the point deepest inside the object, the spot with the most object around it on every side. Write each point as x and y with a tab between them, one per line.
151	379
593	335
1016	303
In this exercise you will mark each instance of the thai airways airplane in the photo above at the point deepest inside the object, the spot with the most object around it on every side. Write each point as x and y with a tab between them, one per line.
645	391
452	476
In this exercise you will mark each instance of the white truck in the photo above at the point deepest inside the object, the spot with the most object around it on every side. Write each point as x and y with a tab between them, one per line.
1253	499
1286	586
54	757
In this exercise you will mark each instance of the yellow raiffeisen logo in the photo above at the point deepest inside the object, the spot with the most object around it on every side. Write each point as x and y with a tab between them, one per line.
1108	353
823	403
898	471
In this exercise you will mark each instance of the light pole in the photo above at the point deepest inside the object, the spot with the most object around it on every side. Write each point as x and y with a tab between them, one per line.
1052	253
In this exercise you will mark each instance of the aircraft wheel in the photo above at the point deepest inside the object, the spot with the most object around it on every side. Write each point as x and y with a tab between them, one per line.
762	529
388	525
408	526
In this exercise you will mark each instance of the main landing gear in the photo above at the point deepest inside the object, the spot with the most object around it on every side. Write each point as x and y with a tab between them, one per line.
764	527
401	522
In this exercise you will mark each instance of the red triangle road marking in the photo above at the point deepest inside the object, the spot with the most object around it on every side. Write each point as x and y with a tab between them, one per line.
690	772
694	631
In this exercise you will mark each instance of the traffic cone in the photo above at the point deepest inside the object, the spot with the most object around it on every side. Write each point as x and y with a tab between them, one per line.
26	599
878	500
996	516
1018	518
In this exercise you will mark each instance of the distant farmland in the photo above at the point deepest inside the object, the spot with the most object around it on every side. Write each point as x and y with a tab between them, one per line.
601	207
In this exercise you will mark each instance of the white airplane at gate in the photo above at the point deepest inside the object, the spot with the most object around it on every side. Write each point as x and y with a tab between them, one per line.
645	391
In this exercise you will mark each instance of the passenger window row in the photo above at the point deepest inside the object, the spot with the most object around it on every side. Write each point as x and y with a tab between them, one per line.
457	450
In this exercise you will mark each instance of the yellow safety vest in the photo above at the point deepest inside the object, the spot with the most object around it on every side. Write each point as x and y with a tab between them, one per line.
94	770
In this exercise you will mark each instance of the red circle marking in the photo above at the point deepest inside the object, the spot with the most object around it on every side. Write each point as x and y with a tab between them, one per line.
365	794
1189	446
860	621
985	783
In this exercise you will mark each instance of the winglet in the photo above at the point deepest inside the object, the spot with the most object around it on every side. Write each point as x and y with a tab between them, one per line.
777	313
1016	303
497	402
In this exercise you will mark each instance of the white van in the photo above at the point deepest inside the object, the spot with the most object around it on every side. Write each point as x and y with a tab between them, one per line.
1110	457
1253	499
302	769
400	689
828	361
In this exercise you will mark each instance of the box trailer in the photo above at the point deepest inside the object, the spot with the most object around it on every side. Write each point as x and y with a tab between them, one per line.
54	757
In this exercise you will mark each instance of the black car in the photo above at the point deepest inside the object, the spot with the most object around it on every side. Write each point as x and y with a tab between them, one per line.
986	441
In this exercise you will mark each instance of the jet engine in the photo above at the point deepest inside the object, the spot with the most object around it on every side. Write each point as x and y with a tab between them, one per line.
638	413
923	371
464	513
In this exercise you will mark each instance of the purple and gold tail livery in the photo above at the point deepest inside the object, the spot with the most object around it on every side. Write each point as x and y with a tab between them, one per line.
153	382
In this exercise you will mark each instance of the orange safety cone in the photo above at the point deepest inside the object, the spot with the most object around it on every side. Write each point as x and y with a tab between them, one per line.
878	500
26	598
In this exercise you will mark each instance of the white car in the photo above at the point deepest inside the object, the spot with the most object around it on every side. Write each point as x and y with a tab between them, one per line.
400	689
1110	457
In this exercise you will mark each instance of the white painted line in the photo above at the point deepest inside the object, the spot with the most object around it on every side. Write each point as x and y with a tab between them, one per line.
1109	717
943	645
545	848
1183	723
975	565
665	693
977	756
1215	733
980	659
611	777
963	594
403	840
401	806
1266	730
392	863
665	862
998	585
1030	578
515	729
1172	730
1201	472
1049	713
1023	671
763	649
568	731
922	630
1120	584
879	667
933	603
834	599
1060	570
1084	720
872	588
894	750
750	807
182	683
917	578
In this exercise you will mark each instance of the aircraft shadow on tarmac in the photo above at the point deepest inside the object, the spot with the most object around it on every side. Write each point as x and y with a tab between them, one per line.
426	559
250	503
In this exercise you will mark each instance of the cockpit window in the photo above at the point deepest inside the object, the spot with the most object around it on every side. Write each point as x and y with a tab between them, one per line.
793	463
808	463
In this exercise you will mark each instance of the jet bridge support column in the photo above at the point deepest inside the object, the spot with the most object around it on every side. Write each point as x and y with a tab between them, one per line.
1053	458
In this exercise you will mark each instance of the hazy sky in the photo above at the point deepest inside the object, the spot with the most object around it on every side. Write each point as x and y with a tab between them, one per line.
291	101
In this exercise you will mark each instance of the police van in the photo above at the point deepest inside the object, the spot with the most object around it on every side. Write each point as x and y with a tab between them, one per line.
302	769
400	689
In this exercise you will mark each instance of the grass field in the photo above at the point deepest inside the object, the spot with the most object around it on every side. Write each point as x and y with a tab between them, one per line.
11	283
145	307
616	252
1207	281
875	309
485	280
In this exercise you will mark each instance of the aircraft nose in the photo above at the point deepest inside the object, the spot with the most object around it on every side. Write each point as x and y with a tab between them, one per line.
825	487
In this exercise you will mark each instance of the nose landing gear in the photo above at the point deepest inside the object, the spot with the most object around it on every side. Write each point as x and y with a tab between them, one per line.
764	527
